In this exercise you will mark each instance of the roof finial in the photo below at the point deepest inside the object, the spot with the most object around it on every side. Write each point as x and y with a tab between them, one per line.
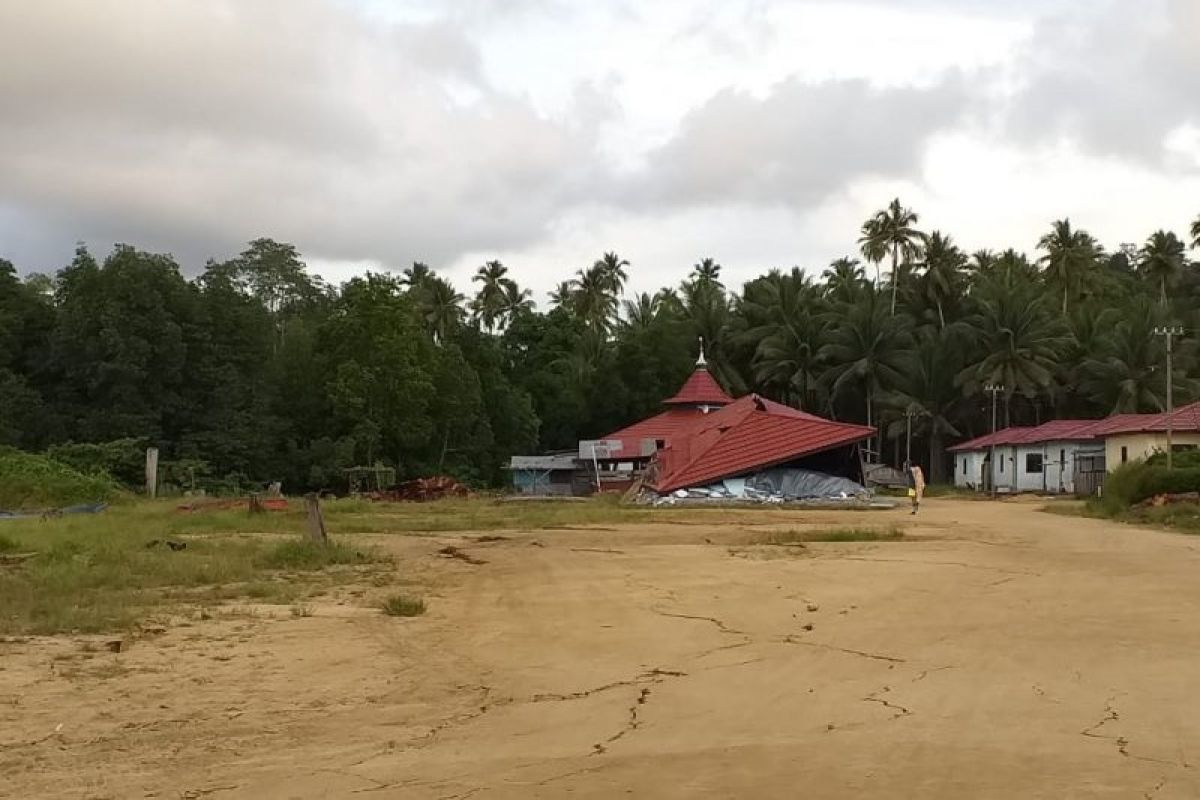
700	362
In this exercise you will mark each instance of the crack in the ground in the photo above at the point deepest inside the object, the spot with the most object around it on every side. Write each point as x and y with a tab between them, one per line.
1122	743
847	650
1110	715
462	795
650	676
900	710
962	564
925	672
721	626
1155	789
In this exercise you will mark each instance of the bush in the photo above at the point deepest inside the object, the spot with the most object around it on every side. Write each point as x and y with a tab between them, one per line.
122	459
1132	483
30	481
1184	459
305	554
399	605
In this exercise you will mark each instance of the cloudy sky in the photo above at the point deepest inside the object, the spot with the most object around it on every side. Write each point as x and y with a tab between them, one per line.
372	133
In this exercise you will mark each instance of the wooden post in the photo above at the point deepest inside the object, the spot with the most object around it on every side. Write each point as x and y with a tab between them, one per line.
256	506
151	471
316	522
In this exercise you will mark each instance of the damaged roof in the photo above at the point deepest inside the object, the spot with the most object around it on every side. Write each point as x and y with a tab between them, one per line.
750	434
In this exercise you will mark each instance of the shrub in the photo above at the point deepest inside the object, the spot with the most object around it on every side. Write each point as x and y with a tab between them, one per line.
122	459
1132	483
30	481
400	605
305	554
1184	459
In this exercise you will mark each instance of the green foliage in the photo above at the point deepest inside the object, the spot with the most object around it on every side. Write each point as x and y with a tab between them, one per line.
29	481
306	555
1136	481
122	459
856	534
399	605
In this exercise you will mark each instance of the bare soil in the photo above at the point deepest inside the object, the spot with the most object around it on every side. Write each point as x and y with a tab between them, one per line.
994	652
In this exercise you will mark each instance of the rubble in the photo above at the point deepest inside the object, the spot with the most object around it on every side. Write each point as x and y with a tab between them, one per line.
773	487
423	490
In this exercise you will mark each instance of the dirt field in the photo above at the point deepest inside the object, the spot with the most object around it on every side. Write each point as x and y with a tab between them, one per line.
996	652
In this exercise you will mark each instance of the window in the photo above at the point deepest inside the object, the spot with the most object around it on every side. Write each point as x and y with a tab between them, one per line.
1033	463
1124	454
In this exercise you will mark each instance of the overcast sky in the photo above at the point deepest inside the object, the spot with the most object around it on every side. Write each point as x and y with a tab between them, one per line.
372	133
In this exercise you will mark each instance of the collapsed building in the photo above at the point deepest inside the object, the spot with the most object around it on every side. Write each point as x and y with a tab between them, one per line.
705	444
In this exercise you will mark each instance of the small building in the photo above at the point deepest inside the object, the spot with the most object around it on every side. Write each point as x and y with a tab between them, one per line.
1070	456
558	474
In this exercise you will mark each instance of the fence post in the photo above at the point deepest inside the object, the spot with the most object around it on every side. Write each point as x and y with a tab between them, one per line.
316	522
152	472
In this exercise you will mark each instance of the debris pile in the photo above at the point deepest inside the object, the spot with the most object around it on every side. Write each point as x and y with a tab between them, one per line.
772	487
423	490
1160	500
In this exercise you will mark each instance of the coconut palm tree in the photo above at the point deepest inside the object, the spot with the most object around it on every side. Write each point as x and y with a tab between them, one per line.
1071	255
943	279
488	305
708	271
1018	341
1196	234
782	322
929	392
611	268
416	275
844	279
440	307
892	230
866	350
517	301
641	311
563	294
1162	260
593	300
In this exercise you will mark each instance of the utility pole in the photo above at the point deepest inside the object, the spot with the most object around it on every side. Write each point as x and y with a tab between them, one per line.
908	415
995	389
1169	333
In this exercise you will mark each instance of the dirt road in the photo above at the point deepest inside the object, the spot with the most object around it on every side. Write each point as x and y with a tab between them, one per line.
996	652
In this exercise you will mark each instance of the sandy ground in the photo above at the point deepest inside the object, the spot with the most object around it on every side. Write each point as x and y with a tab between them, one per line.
998	652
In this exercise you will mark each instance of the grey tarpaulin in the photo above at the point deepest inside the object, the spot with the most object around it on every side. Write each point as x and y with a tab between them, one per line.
799	484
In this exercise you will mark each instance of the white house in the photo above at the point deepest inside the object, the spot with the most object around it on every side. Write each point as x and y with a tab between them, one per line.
1069	456
1040	459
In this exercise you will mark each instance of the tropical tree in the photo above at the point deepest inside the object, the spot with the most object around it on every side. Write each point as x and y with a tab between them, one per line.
1161	260
866	351
1018	341
489	303
440	308
892	230
593	299
1196	234
416	275
844	280
1071	256
708	271
563	294
782	319
516	301
943	278
610	268
641	311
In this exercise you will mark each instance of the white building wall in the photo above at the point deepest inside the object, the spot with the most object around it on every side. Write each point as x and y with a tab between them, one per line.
1011	471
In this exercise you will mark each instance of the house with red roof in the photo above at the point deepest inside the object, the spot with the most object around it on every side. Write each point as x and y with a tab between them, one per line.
704	436
1069	455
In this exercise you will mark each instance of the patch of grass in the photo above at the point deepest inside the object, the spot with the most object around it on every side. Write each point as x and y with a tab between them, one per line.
401	605
31	481
95	573
798	536
7	545
307	555
300	610
1178	517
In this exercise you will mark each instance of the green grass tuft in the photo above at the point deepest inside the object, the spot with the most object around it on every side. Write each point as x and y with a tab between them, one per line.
31	481
304	554
797	536
7	545
399	605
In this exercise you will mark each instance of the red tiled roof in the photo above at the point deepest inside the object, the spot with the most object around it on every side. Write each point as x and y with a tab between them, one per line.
661	426
1075	430
700	389
750	434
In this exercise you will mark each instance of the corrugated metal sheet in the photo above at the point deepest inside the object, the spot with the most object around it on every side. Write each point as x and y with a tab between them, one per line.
751	434
558	462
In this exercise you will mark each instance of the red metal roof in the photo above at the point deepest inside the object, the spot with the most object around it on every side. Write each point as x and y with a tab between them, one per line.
661	426
1186	418
750	434
700	389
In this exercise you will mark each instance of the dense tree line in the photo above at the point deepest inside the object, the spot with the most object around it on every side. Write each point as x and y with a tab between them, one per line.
257	370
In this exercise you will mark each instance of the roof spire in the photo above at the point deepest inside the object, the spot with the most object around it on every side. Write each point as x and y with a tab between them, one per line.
701	362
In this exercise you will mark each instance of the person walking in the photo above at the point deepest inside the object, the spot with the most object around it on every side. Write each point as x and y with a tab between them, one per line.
916	485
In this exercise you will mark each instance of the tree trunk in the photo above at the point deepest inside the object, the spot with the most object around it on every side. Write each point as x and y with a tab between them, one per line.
1162	290
941	315
937	456
1064	300
895	266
